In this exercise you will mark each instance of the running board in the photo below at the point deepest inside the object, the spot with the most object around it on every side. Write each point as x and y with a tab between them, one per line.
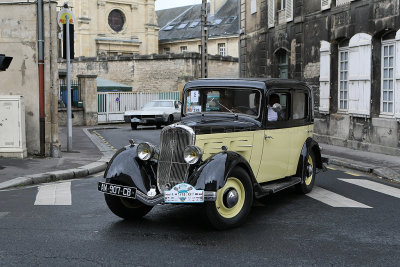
276	186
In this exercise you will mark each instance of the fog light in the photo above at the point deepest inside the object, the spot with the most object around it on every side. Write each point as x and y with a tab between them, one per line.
145	151
192	154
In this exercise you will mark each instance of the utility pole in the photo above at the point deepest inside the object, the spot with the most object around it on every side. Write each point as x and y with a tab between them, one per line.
204	40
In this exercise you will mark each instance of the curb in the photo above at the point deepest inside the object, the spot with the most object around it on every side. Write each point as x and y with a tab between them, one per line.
383	172
79	172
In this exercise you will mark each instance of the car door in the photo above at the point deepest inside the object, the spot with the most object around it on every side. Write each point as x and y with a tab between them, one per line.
277	139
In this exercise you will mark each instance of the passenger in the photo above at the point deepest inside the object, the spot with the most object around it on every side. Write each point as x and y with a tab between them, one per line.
272	115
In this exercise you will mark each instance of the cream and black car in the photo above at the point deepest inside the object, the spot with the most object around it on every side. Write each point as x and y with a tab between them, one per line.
239	140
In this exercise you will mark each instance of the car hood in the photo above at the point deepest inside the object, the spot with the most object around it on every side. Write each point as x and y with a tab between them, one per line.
208	124
155	111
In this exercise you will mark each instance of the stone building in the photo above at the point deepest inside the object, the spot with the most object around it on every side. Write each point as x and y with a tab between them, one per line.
117	27
347	50
19	38
180	29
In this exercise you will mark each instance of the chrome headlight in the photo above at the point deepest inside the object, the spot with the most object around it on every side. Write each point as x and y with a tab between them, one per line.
145	151
192	154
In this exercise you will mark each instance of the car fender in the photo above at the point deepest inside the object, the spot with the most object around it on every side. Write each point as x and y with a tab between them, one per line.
212	174
126	168
309	145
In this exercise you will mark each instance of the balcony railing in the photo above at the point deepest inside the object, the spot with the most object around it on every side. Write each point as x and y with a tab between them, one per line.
342	2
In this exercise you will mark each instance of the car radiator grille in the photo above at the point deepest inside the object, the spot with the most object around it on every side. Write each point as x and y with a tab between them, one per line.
172	168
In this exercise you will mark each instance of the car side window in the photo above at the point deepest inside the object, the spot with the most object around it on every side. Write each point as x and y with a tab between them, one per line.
278	107
300	105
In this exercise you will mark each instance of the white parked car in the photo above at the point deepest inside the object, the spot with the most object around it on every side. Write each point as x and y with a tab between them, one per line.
156	112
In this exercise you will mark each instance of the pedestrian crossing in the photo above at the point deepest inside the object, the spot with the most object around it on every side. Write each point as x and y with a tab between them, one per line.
59	194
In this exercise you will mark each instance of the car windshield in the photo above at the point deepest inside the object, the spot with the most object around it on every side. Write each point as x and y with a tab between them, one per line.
158	104
223	100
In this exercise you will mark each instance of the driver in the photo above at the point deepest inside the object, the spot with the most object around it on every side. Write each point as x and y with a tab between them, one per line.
272	115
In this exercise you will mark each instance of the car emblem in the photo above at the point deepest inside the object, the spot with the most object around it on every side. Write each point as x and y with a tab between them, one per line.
172	144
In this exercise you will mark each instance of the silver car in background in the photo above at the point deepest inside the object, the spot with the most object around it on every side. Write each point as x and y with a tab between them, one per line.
156	112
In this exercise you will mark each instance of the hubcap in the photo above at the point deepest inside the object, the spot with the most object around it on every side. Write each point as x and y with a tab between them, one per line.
231	198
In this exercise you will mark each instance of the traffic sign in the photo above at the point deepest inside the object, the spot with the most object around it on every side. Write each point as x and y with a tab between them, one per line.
61	18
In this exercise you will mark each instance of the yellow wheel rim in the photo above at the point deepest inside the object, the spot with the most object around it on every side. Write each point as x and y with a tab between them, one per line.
309	178
231	183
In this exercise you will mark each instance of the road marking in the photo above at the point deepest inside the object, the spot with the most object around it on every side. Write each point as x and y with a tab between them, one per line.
333	199
331	168
54	194
3	214
352	173
384	189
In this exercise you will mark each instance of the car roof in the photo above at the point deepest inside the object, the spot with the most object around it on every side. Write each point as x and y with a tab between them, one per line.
260	83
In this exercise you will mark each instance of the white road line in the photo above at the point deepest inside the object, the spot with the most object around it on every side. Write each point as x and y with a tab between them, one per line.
3	214
333	199
384	189
54	194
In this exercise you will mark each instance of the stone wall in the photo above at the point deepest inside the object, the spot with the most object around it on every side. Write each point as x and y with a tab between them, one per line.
19	39
154	72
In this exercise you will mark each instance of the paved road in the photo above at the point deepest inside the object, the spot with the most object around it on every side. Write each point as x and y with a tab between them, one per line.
344	221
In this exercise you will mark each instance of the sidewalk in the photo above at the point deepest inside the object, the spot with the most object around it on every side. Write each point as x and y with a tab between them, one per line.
385	166
90	155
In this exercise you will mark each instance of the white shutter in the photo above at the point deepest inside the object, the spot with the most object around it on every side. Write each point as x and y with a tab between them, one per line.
253	6
360	75
289	10
271	13
325	4
397	76
324	76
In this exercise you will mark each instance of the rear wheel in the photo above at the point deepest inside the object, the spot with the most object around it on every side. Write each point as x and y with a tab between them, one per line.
233	202
307	182
134	125
126	208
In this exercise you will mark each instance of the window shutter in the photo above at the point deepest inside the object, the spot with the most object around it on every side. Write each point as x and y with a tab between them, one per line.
360	75
271	13
253	6
397	77
325	4
324	77
289	10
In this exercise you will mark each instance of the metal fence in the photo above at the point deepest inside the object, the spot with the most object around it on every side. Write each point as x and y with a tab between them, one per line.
75	93
112	105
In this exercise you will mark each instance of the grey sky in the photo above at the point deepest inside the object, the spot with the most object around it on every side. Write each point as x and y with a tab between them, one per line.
164	4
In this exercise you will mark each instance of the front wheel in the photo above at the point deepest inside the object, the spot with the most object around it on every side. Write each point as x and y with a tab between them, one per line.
308	179
126	208
233	202
134	125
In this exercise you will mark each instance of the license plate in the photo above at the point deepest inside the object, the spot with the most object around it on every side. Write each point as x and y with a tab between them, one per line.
135	120
183	193
117	190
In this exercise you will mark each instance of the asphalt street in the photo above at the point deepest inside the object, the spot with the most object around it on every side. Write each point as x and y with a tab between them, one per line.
344	221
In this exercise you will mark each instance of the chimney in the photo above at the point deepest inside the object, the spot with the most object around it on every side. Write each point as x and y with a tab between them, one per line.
215	5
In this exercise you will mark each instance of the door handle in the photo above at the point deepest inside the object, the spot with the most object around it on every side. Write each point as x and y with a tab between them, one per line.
309	131
268	137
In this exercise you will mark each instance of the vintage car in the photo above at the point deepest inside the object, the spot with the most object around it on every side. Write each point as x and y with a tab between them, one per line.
156	112
239	140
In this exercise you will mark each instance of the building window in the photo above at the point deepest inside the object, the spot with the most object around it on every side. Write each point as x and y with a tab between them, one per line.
200	47
116	20
388	82
283	9
253	6
222	49
167	50
183	49
343	79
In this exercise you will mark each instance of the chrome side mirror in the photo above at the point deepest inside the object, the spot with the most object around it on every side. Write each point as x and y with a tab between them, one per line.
277	107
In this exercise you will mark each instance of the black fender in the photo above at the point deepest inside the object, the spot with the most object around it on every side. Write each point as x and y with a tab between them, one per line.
309	145
212	174
125	168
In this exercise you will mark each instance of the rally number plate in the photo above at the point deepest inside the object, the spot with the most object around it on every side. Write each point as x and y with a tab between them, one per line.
183	193
117	190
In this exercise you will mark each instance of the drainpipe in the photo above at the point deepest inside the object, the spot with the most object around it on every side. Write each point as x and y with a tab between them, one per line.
41	77
239	32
